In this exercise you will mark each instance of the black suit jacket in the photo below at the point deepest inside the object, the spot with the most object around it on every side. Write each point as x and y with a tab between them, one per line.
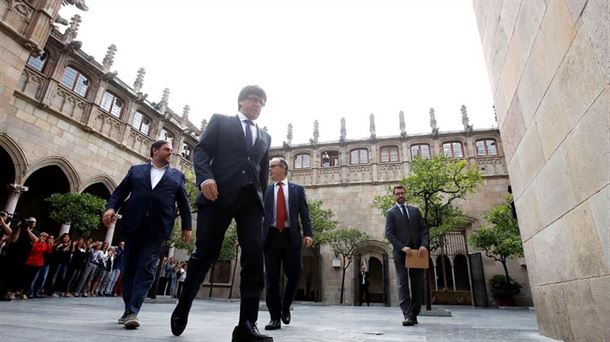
297	208
402	232
151	211
366	279
221	155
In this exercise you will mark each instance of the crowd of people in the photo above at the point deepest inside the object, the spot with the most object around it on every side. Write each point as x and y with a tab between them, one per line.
36	264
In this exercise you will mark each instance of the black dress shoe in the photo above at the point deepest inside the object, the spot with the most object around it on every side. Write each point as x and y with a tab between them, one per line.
408	322
179	319
248	332
414	319
273	325
286	316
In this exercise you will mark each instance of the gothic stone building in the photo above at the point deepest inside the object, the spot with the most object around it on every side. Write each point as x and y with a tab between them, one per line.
68	124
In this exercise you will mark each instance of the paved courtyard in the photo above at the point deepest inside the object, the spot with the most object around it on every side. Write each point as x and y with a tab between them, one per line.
94	319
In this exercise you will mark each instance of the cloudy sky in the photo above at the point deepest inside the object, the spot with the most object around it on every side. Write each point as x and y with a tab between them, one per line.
316	59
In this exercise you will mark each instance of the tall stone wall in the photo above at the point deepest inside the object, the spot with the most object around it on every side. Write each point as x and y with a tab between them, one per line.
549	71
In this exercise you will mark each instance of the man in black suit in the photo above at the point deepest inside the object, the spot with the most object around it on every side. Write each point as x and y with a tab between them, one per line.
154	189
285	203
408	233
231	164
363	282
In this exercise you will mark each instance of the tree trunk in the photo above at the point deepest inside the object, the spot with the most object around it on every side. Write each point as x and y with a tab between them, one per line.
234	269
342	286
443	262
503	261
428	280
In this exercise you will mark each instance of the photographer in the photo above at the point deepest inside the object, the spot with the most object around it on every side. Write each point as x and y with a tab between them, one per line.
16	254
6	234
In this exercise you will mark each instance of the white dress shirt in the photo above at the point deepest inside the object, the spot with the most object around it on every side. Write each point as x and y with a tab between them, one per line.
276	187
244	126
156	173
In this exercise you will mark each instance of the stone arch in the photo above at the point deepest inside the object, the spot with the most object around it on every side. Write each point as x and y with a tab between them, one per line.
61	162
16	153
103	179
377	252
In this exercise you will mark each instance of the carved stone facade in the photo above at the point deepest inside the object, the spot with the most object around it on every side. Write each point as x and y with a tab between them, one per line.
549	72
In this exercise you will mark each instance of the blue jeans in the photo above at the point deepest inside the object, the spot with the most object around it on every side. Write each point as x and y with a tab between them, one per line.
140	259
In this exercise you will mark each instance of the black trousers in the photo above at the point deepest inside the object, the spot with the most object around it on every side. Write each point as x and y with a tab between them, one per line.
212	223
364	291
409	304
278	252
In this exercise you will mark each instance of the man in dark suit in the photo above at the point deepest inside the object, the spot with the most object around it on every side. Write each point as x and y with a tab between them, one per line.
154	189
408	233
285	203
363	282
231	164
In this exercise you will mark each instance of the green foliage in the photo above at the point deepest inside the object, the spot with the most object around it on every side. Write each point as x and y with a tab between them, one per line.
81	211
191	188
321	220
433	185
501	240
192	191
344	242
228	251
499	288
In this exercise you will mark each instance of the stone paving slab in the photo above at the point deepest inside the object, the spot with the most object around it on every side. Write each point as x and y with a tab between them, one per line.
94	319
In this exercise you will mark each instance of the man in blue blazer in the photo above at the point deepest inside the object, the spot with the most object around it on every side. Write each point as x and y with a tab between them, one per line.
154	189
285	203
408	233
231	164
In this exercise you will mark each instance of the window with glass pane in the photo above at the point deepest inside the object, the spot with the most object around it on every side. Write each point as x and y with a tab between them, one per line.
38	62
112	104
186	151
421	150
389	154
330	158
302	161
167	136
453	150
359	156
75	81
486	147
141	123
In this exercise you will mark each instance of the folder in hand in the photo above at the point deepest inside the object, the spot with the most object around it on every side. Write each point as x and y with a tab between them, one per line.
415	261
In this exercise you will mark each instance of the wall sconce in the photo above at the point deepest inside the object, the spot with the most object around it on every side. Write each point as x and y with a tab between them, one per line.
336	263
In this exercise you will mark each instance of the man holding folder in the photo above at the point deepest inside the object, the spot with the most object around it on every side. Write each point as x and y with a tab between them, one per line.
408	233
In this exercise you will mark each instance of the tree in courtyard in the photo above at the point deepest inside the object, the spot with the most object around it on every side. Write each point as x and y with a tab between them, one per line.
344	242
500	239
81	211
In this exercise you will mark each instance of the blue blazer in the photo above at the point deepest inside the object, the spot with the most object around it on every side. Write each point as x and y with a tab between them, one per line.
297	208
151	211
221	155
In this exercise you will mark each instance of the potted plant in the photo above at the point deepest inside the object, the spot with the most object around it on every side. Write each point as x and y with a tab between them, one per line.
502	292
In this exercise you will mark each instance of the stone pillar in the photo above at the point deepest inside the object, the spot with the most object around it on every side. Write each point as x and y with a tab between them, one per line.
65	228
15	190
172	252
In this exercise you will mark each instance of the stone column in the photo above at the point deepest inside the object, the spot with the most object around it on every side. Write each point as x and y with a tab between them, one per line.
15	190
65	228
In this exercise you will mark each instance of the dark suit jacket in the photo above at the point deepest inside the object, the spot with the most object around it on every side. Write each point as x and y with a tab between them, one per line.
151	211
403	232
366	279
297	208
221	155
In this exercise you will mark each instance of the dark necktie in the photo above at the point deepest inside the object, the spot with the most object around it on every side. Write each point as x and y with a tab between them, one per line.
280	210
404	210
248	135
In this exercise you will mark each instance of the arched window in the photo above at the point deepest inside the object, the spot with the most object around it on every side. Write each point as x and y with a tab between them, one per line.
75	81
330	158
112	104
453	149
38	63
486	147
141	123
388	154
167	136
302	161
359	156
421	150
186	151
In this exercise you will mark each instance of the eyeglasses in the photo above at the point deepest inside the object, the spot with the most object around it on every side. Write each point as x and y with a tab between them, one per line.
256	99
271	166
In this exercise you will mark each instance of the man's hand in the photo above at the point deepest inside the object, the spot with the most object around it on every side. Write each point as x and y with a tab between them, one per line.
108	217
307	241
187	235
209	189
407	251
422	251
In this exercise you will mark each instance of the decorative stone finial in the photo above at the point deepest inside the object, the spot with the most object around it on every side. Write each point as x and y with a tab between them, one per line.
465	120
109	58
402	124
343	131
289	134
204	124
72	30
185	113
372	125
139	82
164	101
433	122
316	132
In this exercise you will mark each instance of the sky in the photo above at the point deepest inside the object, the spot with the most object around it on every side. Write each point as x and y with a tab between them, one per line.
317	60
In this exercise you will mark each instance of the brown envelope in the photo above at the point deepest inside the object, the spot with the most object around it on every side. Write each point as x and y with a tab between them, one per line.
415	261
